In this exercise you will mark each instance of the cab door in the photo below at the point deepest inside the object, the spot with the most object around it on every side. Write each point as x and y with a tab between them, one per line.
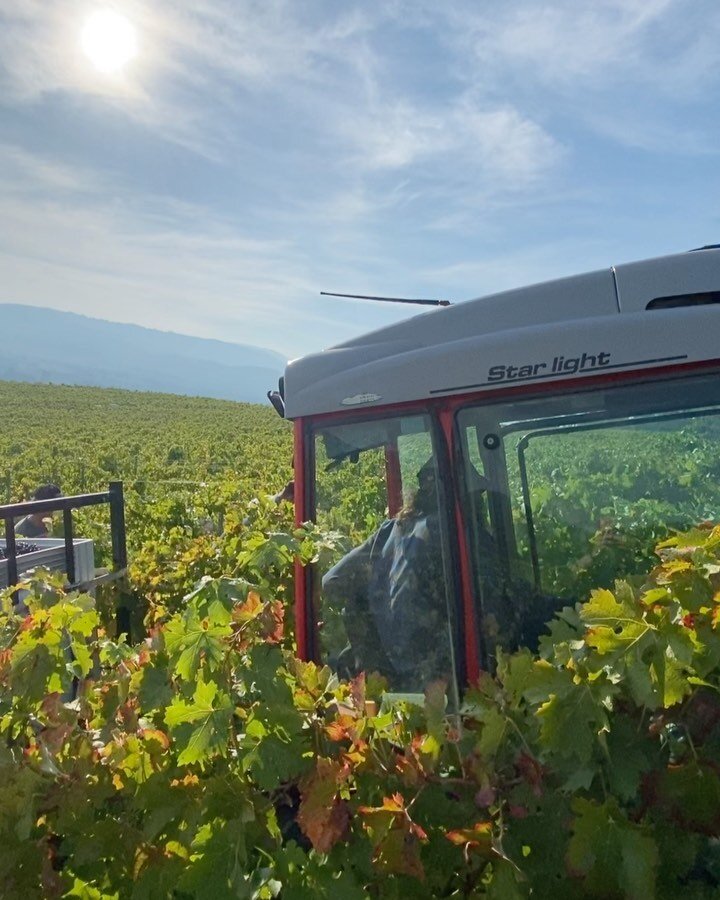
386	600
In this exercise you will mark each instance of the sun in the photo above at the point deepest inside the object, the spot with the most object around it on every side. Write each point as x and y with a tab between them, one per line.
109	41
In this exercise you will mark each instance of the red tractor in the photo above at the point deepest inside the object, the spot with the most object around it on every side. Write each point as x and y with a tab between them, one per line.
489	462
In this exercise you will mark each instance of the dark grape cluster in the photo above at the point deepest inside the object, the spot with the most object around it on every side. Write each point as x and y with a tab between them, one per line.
21	547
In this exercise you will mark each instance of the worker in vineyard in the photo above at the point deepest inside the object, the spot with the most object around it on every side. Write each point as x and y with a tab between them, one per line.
392	592
287	494
36	524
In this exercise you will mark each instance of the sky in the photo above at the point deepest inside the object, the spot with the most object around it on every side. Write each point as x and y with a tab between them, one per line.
253	154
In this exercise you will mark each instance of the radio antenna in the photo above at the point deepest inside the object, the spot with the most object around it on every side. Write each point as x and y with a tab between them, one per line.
418	302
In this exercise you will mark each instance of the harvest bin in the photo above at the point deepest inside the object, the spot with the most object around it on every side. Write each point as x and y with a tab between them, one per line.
51	555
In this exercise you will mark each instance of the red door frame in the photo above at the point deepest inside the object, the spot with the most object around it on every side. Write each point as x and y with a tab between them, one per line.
469	600
304	614
304	619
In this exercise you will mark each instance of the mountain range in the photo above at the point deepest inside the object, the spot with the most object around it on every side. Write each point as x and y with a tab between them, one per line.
45	345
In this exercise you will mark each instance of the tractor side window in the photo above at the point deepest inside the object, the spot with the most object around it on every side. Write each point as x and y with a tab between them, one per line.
383	599
512	610
599	499
578	489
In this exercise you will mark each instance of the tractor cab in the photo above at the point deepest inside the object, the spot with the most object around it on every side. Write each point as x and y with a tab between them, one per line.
487	464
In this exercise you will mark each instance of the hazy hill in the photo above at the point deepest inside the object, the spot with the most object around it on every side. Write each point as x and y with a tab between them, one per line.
44	345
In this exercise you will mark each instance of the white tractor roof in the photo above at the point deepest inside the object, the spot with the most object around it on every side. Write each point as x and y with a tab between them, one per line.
479	344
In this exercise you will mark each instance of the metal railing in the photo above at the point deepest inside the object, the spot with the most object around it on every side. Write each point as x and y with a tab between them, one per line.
114	498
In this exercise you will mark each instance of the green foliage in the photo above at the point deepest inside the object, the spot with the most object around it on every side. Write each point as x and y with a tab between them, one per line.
208	761
603	498
190	466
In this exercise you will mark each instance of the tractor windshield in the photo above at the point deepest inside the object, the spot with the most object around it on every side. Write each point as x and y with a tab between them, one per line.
382	601
577	490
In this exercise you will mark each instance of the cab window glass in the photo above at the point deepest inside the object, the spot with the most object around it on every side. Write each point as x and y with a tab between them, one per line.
383	601
578	489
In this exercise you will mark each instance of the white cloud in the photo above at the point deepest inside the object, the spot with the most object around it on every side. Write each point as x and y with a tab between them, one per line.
160	265
587	62
199	64
375	148
495	146
81	242
565	43
568	40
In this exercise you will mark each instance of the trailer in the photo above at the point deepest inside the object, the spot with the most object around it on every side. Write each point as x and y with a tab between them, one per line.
487	463
73	557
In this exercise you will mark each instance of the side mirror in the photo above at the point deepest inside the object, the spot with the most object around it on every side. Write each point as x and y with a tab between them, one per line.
277	402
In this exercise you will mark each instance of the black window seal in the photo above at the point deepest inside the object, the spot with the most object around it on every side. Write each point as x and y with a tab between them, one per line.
680	301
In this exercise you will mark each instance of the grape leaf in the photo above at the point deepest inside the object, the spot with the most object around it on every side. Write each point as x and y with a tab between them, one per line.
200	727
323	816
191	642
571	723
396	838
611	856
153	687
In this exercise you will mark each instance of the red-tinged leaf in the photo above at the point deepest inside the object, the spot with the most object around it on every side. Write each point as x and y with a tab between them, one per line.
277	619
396	838
5	664
485	797
54	737
531	771
353	704
356	756
343	727
357	693
250	609
52	705
518	812
478	839
418	760
323	816
410	770
127	715
50	876
190	780
154	735
324	832
399	853
336	731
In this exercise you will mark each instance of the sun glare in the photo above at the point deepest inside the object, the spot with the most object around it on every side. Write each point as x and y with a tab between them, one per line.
109	41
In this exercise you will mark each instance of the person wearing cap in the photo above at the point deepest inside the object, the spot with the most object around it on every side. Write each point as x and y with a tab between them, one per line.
35	524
